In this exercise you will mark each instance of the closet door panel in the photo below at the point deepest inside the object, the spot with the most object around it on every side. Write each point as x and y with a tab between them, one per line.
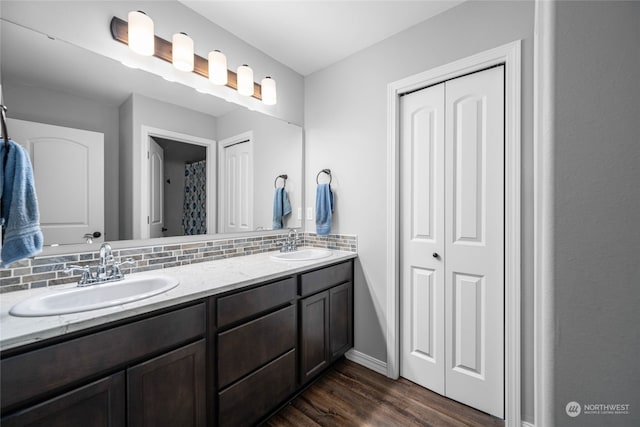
422	237
468	163
422	294
474	232
468	334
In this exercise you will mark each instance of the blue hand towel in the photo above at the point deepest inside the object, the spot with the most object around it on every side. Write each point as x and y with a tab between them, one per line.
324	208
281	207
22	237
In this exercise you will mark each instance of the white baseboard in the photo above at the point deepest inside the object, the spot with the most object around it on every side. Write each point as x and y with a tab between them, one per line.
367	361
526	424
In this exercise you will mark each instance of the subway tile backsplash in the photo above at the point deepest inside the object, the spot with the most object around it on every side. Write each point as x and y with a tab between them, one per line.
45	271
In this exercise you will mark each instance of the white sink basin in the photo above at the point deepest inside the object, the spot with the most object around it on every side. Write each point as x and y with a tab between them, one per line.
302	255
93	297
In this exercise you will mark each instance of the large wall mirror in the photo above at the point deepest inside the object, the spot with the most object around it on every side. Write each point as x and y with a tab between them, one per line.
166	160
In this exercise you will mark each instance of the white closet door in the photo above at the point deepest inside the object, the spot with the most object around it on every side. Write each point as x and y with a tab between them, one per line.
237	187
474	256
452	206
422	236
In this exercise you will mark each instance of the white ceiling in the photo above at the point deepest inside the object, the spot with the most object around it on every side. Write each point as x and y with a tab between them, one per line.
309	35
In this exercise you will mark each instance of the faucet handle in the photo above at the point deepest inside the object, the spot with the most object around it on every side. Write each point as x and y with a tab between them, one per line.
128	261
85	270
116	273
285	245
73	268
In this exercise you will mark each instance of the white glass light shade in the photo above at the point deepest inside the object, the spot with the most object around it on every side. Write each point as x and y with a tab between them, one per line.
141	33
245	80
268	91
182	52
217	68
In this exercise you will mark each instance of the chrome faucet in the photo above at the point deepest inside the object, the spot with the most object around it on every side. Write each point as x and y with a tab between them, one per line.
102	273
291	244
106	256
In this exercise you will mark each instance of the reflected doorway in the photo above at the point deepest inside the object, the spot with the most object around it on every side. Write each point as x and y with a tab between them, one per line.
178	184
178	205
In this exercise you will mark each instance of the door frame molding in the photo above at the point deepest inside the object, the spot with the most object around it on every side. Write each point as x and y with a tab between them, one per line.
141	192
543	209
510	55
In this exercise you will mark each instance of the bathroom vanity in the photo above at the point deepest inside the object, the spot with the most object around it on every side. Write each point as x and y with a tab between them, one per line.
227	355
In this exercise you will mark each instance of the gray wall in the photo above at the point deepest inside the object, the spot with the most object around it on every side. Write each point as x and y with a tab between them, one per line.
597	210
277	149
346	131
157	114
125	113
43	105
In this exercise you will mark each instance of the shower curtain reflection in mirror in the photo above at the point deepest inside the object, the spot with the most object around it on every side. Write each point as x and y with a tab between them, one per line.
194	215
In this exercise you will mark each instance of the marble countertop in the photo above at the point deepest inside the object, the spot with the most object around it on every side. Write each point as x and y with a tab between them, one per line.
196	281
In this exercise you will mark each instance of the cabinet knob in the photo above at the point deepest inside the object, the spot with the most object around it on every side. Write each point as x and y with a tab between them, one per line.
435	255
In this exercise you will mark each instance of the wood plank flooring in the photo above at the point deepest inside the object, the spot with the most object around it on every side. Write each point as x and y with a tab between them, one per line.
352	395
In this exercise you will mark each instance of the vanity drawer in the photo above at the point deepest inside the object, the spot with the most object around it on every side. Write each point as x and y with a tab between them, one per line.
249	400
324	278
41	371
248	303
251	345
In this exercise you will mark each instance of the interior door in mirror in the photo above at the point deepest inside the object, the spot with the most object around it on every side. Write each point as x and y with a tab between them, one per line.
68	168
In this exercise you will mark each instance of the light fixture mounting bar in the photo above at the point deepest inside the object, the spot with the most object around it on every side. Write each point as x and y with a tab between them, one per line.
163	50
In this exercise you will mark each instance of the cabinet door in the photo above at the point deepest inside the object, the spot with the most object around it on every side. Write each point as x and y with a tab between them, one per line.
245	348
340	319
314	338
49	370
101	403
169	390
249	400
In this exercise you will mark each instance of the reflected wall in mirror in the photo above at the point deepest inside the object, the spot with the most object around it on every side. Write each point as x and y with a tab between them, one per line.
144	196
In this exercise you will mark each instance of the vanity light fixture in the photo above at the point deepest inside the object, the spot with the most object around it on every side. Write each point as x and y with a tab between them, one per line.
182	52
245	80
177	51
218	68
141	34
269	91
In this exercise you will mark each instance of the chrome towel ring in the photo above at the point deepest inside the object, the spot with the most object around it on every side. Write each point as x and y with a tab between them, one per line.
284	178
326	171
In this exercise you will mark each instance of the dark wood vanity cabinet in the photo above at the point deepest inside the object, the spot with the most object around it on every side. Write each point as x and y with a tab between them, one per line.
274	338
326	318
169	390
99	403
340	320
147	372
256	345
230	360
